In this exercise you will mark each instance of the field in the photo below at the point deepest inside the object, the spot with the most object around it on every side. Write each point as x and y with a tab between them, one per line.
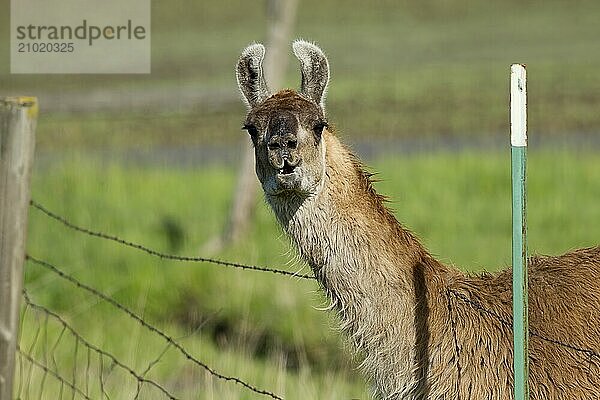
405	69
412	78
255	325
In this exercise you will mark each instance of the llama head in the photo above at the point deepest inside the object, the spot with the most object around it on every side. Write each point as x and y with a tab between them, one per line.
286	128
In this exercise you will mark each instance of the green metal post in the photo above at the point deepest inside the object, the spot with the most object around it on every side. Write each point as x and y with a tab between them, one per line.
518	124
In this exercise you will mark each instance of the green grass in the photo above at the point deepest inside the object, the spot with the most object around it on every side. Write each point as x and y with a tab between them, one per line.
399	69
261	327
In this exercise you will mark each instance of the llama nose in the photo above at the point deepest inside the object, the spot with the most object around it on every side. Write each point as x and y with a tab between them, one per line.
284	161
291	161
283	143
288	167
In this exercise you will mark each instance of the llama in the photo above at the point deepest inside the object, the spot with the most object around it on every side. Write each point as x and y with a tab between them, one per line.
423	330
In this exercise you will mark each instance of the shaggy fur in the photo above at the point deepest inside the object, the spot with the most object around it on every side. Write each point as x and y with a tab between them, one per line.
424	330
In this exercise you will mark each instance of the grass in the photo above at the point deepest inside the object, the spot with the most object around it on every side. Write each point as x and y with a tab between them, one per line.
399	69
257	326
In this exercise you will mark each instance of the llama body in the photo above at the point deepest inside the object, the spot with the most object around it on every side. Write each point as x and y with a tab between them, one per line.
417	324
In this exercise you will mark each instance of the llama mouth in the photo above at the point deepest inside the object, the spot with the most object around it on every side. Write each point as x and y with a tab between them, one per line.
288	178
286	170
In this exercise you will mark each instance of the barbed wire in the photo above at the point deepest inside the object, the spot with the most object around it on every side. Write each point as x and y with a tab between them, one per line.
79	339
455	343
170	340
47	370
478	306
590	353
158	254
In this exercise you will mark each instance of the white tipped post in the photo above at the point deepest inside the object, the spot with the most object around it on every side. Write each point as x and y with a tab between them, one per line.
518	140
518	105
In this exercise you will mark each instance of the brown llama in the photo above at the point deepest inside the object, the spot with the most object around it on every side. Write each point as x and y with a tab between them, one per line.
424	330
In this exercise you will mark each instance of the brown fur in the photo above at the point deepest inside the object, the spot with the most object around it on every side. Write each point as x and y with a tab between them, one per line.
425	330
452	334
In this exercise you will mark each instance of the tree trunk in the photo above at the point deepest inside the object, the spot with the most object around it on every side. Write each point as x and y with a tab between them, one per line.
280	19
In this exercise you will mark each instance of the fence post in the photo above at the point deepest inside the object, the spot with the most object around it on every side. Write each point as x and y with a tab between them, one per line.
18	117
518	141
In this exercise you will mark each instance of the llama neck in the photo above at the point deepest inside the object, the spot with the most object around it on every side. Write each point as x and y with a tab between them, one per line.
375	273
345	232
356	248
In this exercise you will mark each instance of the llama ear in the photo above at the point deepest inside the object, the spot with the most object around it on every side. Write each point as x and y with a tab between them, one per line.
315	71
249	74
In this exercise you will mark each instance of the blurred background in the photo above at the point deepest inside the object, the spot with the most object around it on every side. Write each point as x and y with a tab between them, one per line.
419	89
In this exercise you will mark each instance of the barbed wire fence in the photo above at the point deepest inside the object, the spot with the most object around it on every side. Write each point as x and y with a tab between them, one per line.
506	322
158	254
56	360
96	371
100	364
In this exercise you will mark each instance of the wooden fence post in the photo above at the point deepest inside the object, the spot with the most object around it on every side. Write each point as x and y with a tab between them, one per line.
280	19
18	117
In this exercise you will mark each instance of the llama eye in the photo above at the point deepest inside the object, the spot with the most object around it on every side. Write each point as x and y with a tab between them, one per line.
318	128
252	130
